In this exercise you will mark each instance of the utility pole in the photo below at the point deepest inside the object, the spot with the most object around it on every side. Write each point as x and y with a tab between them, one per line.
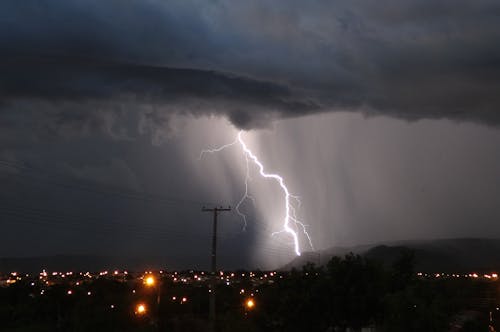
215	210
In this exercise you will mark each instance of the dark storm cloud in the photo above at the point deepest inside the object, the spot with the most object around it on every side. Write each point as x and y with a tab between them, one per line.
67	80
255	61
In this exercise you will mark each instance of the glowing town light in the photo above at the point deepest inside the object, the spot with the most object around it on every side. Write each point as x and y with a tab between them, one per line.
149	281
290	211
140	309
250	304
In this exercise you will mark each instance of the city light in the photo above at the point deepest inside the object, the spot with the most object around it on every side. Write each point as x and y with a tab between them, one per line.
150	281
150	286
140	309
250	304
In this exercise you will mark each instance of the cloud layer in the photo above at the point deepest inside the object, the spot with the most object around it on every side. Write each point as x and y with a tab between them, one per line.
254	62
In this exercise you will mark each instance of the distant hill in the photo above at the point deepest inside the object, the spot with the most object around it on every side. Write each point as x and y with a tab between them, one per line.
446	255
77	263
323	256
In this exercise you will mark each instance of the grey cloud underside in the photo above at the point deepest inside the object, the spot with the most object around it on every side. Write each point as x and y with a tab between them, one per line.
255	62
245	101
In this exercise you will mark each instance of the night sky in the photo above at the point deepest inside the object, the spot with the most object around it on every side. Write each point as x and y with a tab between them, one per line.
382	116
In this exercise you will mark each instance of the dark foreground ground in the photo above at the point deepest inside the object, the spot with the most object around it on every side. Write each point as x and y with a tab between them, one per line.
348	293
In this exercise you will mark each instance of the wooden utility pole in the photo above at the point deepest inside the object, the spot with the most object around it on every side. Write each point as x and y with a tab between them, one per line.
214	264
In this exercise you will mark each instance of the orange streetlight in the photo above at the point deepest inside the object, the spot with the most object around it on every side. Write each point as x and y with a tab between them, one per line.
250	304
140	309
149	281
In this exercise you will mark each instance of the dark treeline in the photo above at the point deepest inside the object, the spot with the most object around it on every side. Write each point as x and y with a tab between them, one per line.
355	292
348	293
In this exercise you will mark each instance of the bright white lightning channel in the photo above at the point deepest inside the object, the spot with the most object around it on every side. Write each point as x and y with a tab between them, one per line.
290	211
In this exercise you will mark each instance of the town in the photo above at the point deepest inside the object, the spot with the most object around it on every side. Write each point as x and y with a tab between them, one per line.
354	291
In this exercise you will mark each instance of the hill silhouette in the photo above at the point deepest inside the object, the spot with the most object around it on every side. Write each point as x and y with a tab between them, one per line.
443	255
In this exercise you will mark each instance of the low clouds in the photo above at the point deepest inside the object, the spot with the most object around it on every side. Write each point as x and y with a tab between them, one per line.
253	62
62	82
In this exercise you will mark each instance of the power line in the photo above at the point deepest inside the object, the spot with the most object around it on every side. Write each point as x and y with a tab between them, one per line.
116	192
77	184
98	225
104	227
43	217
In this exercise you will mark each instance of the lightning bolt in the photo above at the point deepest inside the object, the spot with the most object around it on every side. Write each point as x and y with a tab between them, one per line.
290	210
